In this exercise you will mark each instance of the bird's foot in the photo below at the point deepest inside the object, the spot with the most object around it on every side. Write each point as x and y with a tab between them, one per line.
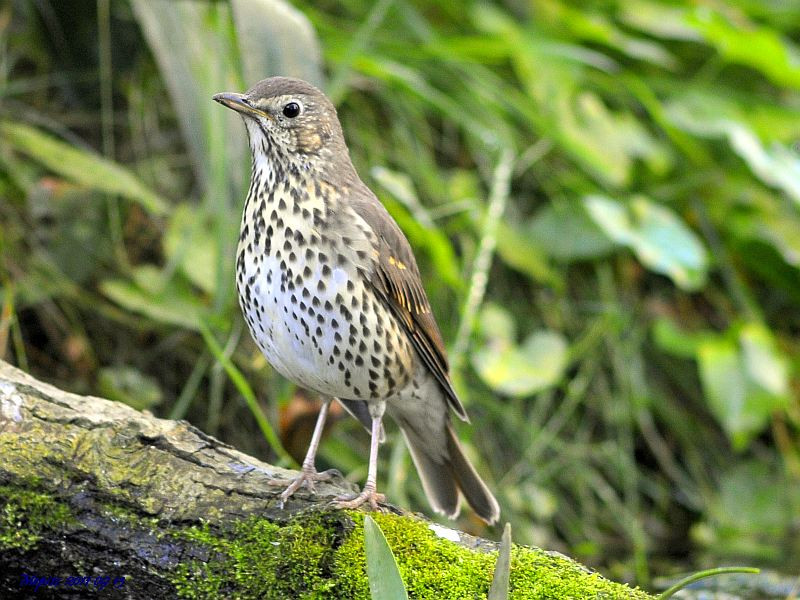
367	495
308	475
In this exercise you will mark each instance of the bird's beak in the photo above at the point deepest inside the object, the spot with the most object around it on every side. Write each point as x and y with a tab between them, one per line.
239	103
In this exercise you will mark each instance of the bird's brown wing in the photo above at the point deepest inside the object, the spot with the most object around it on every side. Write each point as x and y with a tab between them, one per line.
397	280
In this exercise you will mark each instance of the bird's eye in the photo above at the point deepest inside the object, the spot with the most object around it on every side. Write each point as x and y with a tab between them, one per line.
291	110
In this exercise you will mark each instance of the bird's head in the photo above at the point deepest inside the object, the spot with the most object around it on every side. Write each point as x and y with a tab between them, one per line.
288	115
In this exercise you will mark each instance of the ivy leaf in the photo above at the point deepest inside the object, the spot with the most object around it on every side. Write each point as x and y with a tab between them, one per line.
656	235
518	370
745	379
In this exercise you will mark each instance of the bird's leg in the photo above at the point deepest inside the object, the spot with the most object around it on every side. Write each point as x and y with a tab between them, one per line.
309	474
369	493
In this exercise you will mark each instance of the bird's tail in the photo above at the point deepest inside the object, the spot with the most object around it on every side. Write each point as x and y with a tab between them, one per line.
447	472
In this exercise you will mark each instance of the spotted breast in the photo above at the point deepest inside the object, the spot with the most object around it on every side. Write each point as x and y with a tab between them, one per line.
299	273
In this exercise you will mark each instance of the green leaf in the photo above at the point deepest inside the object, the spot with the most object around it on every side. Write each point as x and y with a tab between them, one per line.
195	48
748	44
81	166
497	326
591	26
765	365
565	232
521	251
706	115
777	166
276	39
670	338
771	223
660	240
702	111
745	379
538	363
385	582
607	142
129	385
724	386
502	570
190	243
171	302
661	21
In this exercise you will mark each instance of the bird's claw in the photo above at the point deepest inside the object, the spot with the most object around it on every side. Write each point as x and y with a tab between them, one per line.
367	495
308	475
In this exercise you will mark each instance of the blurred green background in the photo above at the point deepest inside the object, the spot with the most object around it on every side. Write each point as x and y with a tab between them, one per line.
603	196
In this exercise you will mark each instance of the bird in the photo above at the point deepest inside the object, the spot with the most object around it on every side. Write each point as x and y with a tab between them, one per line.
333	297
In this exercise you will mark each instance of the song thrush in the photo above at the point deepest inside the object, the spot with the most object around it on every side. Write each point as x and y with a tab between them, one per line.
332	294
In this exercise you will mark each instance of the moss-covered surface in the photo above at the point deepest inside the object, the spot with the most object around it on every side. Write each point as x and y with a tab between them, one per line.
25	516
313	555
321	555
121	492
260	559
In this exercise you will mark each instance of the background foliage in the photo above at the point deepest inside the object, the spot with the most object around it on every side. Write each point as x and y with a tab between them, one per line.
604	198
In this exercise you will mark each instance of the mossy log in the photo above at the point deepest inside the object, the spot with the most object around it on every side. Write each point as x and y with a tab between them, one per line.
96	495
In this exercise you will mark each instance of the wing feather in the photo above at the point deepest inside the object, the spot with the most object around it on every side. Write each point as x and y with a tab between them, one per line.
395	277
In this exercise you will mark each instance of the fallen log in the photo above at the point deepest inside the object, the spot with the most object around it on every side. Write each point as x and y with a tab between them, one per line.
96	497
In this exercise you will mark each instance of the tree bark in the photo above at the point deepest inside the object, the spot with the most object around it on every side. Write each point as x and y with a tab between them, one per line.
94	489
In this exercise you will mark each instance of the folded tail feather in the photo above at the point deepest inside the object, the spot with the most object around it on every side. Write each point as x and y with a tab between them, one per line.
443	477
469	482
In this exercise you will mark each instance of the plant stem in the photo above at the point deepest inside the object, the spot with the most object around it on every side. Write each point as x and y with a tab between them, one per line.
672	590
498	197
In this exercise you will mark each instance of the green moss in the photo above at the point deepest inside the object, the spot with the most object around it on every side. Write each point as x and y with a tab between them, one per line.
316	556
432	567
260	559
26	515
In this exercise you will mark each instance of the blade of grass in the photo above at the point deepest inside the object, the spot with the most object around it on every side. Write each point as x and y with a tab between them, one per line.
275	38
358	44
216	390
107	122
190	388
672	590
194	46
217	387
249	396
385	582
502	570
19	346
397	474
6	317
81	166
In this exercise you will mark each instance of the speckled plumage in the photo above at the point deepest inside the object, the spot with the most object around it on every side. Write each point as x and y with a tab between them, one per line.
307	305
332	295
